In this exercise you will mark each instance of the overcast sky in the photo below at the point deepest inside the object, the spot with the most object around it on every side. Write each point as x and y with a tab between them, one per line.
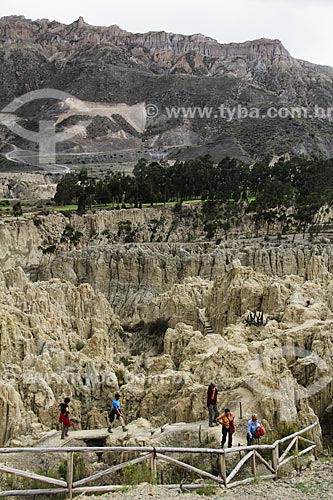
304	26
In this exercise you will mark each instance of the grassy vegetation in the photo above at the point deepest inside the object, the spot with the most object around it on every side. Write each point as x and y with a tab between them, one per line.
206	490
12	482
64	208
29	210
136	474
107	206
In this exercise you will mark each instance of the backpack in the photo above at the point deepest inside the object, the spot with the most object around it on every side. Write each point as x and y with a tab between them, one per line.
260	431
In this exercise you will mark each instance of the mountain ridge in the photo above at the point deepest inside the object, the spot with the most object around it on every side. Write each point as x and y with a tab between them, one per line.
124	36
114	29
112	65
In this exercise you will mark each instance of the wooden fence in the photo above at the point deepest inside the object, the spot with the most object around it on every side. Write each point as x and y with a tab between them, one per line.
156	455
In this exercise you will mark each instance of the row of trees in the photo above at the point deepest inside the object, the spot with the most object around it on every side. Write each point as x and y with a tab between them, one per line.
301	183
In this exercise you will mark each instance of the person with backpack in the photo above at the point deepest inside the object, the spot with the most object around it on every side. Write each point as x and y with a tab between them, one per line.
116	414
226	419
64	417
212	401
254	429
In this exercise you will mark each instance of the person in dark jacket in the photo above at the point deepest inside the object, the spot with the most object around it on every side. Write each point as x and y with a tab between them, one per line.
212	401
116	413
64	417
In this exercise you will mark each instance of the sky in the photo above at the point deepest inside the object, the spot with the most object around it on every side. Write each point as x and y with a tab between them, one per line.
304	26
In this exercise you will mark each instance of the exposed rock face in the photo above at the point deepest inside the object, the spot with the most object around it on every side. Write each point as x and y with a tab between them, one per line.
92	325
32	187
242	290
165	51
10	412
55	339
51	35
280	368
20	244
131	275
110	65
161	47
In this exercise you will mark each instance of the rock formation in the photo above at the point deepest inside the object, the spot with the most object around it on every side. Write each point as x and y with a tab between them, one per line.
158	321
31	187
165	51
92	249
55	339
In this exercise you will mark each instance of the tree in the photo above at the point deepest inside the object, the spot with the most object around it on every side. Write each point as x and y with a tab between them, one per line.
306	208
82	202
17	210
231	180
274	194
67	190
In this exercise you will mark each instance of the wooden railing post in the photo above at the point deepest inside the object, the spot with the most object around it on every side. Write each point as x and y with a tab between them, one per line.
315	451
275	459
223	467
254	465
296	451
153	467
70	464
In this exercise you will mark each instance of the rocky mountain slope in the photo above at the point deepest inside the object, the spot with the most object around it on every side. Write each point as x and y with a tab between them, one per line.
109	65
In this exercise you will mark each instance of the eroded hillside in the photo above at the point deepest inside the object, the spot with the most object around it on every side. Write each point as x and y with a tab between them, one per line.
83	314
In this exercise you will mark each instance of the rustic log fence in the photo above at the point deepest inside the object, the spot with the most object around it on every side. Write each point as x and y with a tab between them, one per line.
158	454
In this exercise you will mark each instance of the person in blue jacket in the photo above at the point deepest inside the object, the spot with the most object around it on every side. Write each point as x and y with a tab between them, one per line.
252	427
116	413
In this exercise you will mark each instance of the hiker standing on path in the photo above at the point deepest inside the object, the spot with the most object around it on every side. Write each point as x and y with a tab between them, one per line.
228	426
212	403
116	413
64	417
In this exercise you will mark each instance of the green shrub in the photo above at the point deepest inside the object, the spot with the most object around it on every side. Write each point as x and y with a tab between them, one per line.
49	249
80	345
69	234
158	327
136	474
79	470
19	483
178	207
206	490
210	229
37	222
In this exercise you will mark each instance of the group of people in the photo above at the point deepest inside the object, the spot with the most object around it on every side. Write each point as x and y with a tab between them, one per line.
227	420
114	415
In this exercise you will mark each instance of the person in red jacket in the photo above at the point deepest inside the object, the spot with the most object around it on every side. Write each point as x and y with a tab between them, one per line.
212	401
